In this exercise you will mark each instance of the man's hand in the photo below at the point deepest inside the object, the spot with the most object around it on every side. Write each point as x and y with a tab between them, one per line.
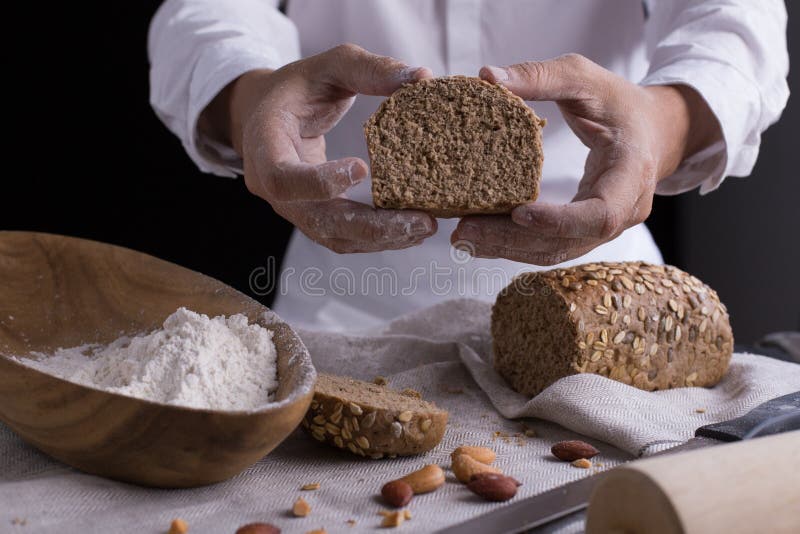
636	135
276	121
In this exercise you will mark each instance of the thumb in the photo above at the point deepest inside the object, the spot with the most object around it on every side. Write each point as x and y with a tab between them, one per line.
350	67
562	78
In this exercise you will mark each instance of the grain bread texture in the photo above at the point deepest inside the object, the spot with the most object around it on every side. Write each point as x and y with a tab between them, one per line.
454	146
649	326
371	420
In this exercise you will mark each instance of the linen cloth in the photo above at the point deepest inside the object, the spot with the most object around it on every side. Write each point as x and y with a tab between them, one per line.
445	353
733	52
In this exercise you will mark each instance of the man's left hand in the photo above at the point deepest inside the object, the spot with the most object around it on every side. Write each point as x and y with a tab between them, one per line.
636	136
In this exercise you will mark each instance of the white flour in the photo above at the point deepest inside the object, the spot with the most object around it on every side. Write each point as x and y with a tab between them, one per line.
220	363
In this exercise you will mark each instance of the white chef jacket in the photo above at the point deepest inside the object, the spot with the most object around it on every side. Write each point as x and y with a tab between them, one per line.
733	52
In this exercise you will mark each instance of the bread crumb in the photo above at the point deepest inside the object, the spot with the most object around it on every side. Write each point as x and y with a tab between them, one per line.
393	519
310	487
317	531
583	463
380	380
408	392
700	410
351	522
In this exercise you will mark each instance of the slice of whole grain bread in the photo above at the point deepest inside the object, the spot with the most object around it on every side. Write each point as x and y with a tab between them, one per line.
372	420
454	146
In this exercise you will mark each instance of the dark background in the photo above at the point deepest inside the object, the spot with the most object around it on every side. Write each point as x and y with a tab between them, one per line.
90	159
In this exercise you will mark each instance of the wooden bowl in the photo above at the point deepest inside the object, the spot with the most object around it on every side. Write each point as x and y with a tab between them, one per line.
62	292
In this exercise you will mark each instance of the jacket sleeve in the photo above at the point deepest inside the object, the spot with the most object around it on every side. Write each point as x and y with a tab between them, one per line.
197	47
733	53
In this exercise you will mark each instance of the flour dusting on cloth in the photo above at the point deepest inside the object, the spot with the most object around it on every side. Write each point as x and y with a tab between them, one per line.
194	361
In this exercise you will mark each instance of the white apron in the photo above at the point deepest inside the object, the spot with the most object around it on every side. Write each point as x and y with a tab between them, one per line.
324	290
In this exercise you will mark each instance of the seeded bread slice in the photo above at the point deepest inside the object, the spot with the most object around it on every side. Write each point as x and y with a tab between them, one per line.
454	146
372	420
649	326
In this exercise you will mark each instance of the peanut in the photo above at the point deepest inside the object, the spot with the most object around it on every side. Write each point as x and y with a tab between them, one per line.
464	467
426	479
397	493
484	455
178	526
301	508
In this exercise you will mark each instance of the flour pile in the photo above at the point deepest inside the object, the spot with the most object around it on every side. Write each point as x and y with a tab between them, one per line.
195	361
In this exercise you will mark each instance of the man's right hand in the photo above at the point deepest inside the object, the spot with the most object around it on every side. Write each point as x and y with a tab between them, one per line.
276	121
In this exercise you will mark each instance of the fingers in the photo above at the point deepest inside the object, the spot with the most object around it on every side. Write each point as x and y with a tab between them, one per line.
593	218
296	181
546	234
606	204
352	68
346	226
562	78
497	236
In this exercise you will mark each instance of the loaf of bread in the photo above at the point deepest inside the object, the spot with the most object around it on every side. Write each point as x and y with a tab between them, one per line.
454	146
649	326
371	420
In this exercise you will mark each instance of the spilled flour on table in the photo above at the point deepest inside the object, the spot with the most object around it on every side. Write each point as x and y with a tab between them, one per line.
215	363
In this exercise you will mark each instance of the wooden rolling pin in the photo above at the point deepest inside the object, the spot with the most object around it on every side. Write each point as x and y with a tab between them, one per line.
744	487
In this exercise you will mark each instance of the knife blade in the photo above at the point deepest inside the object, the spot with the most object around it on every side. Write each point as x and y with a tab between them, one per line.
781	414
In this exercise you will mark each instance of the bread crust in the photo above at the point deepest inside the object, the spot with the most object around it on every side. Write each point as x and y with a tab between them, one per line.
412	171
650	326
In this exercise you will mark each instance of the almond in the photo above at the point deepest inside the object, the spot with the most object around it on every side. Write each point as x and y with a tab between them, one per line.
570	451
258	528
493	486
397	493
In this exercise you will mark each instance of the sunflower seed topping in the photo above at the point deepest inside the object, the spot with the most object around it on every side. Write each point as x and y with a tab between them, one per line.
368	420
397	429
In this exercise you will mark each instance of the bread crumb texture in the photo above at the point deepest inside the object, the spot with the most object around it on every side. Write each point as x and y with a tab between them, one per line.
454	146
